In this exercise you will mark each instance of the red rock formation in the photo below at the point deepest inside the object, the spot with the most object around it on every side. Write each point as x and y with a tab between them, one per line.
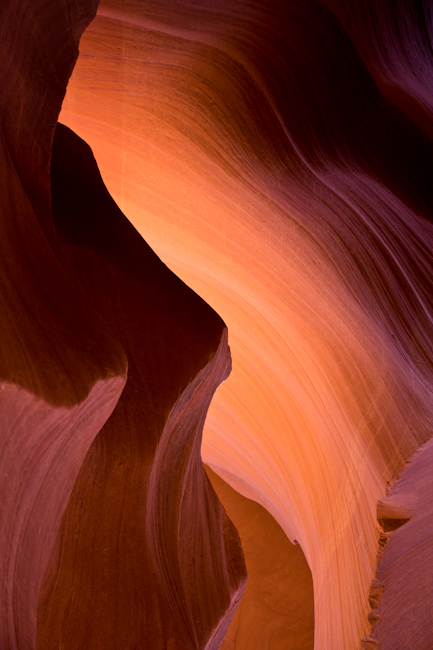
133	543
143	525
278	156
61	371
394	39
303	202
402	614
277	607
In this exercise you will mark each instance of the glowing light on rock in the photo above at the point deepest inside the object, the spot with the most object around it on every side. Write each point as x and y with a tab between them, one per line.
255	153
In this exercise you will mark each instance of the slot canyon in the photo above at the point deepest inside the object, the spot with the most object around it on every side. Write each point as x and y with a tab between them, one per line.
216	348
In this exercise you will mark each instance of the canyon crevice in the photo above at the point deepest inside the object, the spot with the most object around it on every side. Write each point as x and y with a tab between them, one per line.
277	159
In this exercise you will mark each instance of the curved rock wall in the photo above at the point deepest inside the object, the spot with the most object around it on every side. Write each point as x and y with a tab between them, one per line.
277	607
90	552
145	553
277	157
61	371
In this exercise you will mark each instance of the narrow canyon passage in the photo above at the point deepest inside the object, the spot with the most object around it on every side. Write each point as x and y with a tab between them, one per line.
263	153
277	607
262	224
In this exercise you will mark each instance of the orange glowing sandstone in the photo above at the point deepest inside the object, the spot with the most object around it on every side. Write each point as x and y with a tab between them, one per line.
254	153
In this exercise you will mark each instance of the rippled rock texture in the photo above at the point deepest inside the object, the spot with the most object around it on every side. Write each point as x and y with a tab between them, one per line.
277	155
110	533
402	603
145	554
405	610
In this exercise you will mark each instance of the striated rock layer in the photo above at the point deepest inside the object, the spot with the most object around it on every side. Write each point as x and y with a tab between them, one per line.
284	172
403	611
110	534
143	526
61	371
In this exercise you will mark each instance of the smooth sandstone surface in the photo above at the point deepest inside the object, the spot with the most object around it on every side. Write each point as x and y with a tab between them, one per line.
145	554
277	607
42	451
110	534
277	156
61	371
280	169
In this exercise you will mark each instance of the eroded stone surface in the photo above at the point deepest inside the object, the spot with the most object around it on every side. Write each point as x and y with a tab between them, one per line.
91	554
303	194
405	608
277	608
